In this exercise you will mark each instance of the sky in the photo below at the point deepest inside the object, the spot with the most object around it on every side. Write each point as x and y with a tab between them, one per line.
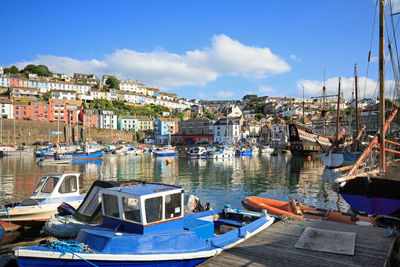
202	49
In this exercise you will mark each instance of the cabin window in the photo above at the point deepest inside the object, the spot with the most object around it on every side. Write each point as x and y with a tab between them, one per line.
39	185
173	206
131	209
69	185
110	203
153	207
48	187
91	202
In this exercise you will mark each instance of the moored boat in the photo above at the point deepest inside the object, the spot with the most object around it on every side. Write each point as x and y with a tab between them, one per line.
144	224
267	150
52	190
197	152
221	153
165	152
293	209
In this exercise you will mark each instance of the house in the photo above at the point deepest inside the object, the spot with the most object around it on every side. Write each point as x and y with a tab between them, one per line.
1	70
90	78
20	92
231	111
14	81
132	86
4	81
226	131
107	119
145	123
89	117
193	131
128	123
279	134
163	128
6	108
63	94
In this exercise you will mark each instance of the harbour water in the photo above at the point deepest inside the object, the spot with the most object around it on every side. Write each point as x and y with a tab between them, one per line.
218	182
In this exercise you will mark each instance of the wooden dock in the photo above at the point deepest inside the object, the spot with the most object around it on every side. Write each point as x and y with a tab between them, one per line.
275	247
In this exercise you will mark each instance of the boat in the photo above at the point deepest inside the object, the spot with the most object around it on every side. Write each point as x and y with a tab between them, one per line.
167	151
221	153
197	152
110	148
86	156
375	191
267	150
53	161
133	150
88	214
304	142
144	224
51	191
241	152
292	208
17	151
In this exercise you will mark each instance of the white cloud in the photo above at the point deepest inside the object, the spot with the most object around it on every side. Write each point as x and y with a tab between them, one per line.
225	94
266	89
295	58
160	68
366	87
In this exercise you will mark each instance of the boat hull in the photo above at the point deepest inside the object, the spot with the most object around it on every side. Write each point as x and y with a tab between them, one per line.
372	195
334	160
87	156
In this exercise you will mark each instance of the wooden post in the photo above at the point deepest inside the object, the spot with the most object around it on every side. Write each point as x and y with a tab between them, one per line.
382	156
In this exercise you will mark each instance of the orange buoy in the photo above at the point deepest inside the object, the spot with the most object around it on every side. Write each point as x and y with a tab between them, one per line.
309	158
168	161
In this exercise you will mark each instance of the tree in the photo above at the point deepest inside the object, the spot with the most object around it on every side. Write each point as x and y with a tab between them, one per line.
47	96
260	116
210	116
41	70
181	115
112	83
12	70
250	98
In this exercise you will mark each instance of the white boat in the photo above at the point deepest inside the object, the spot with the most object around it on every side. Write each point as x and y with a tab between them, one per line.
197	152
267	150
51	192
222	153
17	151
133	151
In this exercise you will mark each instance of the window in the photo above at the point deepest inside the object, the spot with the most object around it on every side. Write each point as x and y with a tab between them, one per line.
131	209
173	206
69	185
110	204
153	208
49	185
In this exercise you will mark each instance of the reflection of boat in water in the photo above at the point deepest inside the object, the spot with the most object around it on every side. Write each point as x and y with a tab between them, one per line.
145	224
329	175
197	152
333	159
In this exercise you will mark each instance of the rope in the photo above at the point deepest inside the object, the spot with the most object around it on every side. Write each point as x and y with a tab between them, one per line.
9	219
70	246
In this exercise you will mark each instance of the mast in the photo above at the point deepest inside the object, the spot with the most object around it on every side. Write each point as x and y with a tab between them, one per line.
323	106
356	89
338	112
303	106
382	161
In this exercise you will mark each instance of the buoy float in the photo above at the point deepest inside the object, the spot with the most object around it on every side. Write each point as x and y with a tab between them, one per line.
309	158
168	161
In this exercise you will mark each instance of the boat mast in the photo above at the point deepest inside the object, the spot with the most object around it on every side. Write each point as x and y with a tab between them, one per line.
323	106
303	106
338	112
382	161
356	89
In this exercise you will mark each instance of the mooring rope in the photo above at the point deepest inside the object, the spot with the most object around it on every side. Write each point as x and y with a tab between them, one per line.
71	246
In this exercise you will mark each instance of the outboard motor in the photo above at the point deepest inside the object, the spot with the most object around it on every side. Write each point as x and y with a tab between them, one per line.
65	209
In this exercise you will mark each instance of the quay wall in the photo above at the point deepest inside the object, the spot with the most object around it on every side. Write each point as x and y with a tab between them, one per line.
29	132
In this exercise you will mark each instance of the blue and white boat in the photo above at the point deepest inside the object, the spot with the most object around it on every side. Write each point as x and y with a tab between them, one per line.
221	153
244	152
197	152
144	224
165	152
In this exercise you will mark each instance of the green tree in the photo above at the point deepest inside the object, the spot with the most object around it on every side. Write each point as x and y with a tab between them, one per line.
210	116
112	82
12	70
259	116
47	96
181	115
250	98
41	70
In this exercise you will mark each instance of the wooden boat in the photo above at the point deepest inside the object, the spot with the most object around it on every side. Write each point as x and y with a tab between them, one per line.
377	191
144	224
52	190
293	209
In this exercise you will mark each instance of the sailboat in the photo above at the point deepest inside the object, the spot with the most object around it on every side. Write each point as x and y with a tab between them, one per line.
377	191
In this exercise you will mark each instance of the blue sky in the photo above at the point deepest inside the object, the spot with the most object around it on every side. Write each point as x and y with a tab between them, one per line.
199	49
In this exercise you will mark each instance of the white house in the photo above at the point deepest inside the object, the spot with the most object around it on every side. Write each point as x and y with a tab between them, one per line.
6	108
63	94
128	123
107	119
226	131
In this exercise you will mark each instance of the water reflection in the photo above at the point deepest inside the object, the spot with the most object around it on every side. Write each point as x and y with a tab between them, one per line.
215	181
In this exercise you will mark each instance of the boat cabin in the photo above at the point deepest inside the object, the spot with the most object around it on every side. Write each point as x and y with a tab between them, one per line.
143	208
57	186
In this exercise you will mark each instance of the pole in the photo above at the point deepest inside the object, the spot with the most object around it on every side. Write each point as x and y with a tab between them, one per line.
323	106
58	128
338	111
382	163
356	89
303	106
15	142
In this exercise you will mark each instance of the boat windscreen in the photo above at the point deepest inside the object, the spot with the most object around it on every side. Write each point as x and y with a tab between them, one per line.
91	202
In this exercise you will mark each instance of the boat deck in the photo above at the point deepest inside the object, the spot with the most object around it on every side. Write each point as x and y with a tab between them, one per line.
275	247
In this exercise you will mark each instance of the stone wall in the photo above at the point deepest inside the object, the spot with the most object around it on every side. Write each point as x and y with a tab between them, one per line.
29	132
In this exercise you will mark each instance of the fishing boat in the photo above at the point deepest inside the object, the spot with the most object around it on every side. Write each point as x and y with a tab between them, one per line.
375	191
67	225
133	151
144	224
197	152
221	153
87	156
293	209
167	151
267	150
51	191
17	151
241	152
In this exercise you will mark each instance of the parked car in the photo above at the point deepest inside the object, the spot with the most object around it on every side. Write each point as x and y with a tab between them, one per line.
121	142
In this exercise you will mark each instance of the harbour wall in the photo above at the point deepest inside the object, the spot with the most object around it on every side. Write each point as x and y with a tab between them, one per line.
29	132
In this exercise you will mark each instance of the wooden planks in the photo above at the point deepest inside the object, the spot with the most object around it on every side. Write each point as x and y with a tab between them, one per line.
275	247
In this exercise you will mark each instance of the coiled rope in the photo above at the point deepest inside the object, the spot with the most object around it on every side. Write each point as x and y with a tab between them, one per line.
70	246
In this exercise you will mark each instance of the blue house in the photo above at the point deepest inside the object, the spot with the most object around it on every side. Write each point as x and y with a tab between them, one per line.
161	130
